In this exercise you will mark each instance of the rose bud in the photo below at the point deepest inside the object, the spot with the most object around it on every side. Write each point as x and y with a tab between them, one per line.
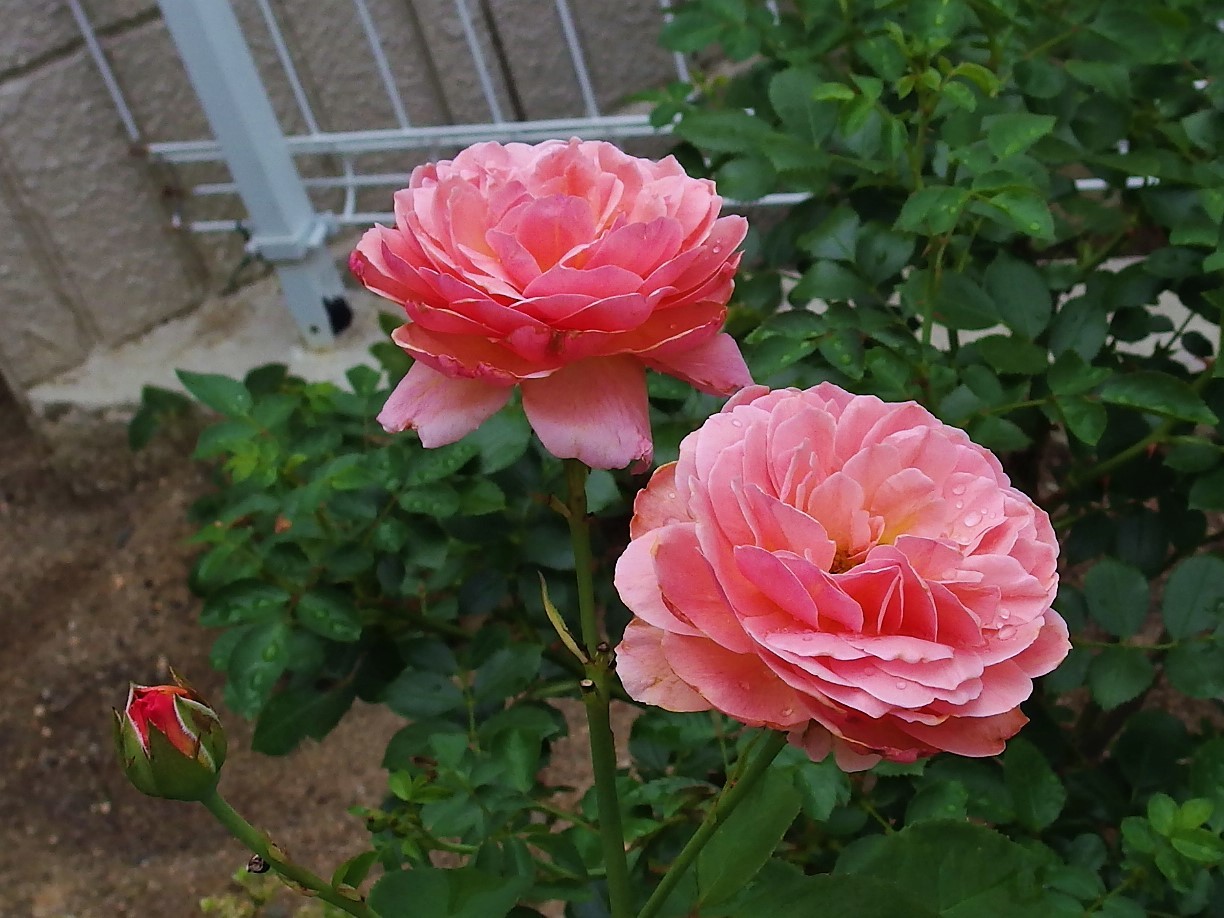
170	742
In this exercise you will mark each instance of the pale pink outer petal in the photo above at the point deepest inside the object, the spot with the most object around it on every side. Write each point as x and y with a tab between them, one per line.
716	366
594	411
440	408
646	674
658	504
738	684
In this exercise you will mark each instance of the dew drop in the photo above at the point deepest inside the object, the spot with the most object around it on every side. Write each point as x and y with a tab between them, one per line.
737	423
1007	632
972	519
787	712
716	249
1005	614
958	490
960	504
671	495
902	684
745	686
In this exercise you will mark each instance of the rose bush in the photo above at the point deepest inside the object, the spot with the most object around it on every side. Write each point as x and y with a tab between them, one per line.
851	571
565	269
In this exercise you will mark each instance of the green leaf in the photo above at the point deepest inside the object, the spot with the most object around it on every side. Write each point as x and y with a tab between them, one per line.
1196	669
828	280
1194	596
1012	355
825	92
501	441
1111	79
1069	375
937	800
824	787
432	892
960	303
1021	294
1207	492
1020	209
220	393
1080	327
1086	419
1036	792
792	95
419	694
441	462
243	601
723	131
828	896
746	178
1157	393
1118	674
1117	596
297	713
481	497
743	844
934	209
1014	133
956	869
329	613
834	239
255	665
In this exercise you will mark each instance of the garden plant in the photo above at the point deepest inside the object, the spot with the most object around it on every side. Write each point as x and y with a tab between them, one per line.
894	517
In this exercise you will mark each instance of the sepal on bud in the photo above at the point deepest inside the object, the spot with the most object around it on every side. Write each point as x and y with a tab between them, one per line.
170	742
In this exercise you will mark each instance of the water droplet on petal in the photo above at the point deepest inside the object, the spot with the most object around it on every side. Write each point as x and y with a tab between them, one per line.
1007	632
1005	614
960	505
902	684
671	495
787	712
745	686
736	422
716	249
972	519
959	489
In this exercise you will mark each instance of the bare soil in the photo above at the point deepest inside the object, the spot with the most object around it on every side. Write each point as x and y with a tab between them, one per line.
93	594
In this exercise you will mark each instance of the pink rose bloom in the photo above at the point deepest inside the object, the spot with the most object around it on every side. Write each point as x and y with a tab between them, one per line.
851	571
566	269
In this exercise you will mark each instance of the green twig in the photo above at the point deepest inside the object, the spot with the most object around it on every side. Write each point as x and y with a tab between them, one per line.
597	694
274	858
731	797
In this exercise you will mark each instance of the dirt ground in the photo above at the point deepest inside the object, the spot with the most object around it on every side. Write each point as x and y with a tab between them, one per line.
92	595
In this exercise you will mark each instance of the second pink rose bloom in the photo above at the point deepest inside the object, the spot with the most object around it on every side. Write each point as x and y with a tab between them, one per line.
851	571
566	269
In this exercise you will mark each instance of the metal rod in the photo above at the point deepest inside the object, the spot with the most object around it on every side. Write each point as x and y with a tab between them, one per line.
423	137
108	75
291	74
380	61
574	44
286	229
482	68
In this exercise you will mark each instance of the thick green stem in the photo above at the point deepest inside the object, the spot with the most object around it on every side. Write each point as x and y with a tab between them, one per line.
580	538
603	760
300	876
597	694
731	797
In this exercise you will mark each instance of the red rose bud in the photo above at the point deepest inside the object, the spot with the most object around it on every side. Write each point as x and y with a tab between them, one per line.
170	742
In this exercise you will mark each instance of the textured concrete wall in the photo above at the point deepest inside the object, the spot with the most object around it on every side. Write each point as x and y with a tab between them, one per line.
88	258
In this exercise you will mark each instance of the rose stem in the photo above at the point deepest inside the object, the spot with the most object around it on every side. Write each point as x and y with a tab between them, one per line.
731	797
258	842
596	696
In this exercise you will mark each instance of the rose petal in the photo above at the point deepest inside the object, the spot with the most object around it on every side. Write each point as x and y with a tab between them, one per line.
440	409
595	411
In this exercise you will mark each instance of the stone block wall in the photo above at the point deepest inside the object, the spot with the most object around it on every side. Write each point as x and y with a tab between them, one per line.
88	255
